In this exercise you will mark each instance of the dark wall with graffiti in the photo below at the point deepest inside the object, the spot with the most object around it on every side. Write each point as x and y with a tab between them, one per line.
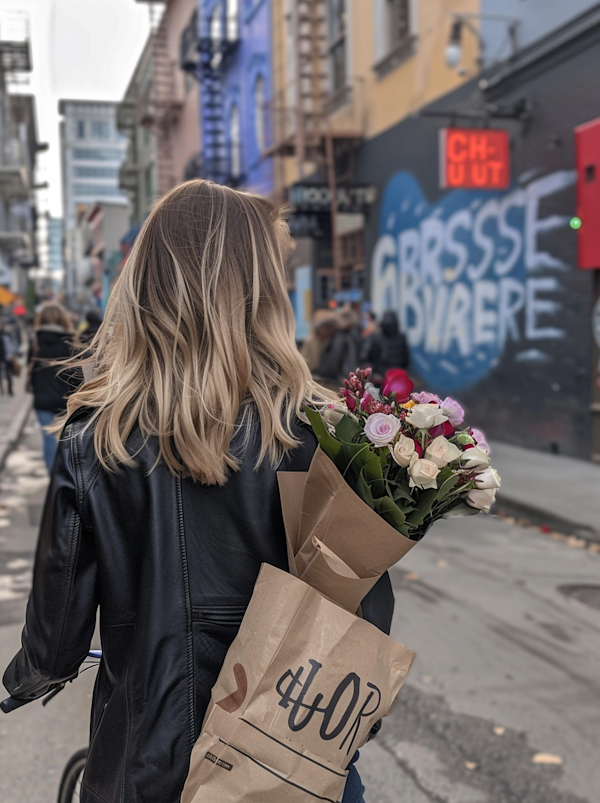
486	283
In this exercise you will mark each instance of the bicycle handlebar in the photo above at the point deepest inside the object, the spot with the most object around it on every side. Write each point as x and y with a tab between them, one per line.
12	703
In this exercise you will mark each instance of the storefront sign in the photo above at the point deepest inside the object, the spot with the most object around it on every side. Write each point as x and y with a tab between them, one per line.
313	198
470	273
474	158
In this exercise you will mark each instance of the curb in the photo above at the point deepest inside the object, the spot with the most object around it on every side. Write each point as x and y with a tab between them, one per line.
542	517
10	440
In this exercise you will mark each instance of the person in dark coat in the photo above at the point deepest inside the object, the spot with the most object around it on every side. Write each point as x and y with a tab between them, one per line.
52	340
8	353
386	348
93	319
163	498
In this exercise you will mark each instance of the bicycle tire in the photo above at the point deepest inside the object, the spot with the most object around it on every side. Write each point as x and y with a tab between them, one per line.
68	791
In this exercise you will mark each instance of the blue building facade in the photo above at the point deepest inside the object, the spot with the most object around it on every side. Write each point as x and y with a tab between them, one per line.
235	84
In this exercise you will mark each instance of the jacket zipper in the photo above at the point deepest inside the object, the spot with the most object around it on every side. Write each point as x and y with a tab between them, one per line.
219	615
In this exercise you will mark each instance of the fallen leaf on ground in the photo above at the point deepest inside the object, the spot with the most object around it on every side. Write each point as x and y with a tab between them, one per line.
499	730
471	765
546	758
411	576
577	543
426	678
442	564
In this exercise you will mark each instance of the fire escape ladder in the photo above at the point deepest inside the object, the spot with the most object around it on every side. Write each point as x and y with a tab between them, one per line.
218	41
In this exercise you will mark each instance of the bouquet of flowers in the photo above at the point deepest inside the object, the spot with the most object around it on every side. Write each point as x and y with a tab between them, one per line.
407	455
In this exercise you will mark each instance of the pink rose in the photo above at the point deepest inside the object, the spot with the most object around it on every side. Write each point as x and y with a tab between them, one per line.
480	440
380	428
453	410
424	397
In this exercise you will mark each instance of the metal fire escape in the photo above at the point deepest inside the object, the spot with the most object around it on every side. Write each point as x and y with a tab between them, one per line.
316	118
218	41
160	105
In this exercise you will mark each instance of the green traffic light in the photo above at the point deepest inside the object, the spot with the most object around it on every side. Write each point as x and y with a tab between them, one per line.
575	223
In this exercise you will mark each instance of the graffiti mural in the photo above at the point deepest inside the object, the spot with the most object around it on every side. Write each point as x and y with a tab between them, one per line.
467	275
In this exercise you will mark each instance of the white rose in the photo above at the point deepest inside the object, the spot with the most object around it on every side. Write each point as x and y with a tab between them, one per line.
482	500
441	452
425	416
475	459
333	414
488	479
422	474
403	451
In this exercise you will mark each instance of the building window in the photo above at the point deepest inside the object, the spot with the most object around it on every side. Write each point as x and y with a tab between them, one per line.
259	113
99	154
80	129
336	47
100	129
95	172
398	22
149	185
93	190
394	33
216	26
232	20
235	149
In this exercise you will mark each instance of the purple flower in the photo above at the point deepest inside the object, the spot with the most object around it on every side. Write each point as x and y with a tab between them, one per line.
424	397
480	440
453	410
380	428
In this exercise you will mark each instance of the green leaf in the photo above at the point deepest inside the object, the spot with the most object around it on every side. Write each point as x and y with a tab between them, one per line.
424	503
348	428
361	487
403	492
447	485
460	510
327	442
389	511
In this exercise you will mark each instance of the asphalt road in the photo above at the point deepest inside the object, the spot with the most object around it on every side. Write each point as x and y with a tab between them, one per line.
501	706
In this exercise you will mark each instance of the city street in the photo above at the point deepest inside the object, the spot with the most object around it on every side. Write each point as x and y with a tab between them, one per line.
501	705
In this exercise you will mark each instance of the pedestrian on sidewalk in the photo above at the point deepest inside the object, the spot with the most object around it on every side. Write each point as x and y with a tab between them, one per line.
9	349
385	348
164	499
52	340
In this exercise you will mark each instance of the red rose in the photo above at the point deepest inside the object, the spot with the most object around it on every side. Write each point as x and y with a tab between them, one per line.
448	429
350	400
397	381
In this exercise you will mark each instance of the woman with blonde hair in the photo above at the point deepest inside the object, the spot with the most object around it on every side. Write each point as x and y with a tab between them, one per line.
164	500
52	340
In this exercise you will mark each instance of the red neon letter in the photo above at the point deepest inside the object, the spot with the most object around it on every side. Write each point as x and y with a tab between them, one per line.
457	138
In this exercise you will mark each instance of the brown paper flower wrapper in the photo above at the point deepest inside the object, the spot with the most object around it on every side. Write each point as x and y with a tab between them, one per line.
305	679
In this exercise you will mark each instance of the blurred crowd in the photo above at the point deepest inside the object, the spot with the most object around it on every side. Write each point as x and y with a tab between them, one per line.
38	341
344	339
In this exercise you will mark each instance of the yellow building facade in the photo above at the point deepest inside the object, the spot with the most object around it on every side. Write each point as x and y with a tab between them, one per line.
372	63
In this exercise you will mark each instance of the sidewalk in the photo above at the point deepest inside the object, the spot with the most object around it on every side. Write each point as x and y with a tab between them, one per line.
560	492
14	411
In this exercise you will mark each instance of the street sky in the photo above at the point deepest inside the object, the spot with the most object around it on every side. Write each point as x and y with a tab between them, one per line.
83	49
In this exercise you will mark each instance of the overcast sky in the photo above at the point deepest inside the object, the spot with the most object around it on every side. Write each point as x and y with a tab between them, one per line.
81	49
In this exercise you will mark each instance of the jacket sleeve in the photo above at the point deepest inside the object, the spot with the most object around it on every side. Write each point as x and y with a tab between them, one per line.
61	612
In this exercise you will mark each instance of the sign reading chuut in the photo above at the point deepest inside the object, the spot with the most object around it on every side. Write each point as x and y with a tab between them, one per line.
474	158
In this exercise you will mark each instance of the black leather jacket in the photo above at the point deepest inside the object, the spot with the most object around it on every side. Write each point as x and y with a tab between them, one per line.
171	564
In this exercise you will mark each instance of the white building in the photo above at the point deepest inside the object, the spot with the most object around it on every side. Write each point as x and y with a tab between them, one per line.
92	151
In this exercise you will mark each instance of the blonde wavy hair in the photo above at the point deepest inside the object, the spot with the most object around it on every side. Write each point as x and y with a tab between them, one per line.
198	335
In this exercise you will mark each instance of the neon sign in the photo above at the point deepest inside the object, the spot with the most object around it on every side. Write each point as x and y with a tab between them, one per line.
474	158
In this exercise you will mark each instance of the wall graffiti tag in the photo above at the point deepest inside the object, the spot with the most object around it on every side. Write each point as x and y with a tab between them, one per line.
468	273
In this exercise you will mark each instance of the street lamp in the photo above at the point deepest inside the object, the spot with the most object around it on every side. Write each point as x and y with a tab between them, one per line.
453	51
